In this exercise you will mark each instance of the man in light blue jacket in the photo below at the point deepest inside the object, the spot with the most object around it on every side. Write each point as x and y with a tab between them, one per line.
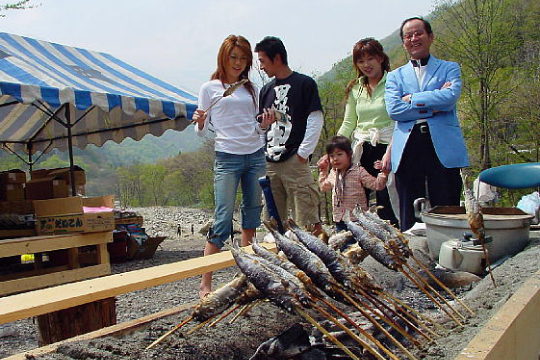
427	146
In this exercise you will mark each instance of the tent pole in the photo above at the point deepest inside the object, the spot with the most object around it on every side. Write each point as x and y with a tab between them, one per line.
70	151
30	156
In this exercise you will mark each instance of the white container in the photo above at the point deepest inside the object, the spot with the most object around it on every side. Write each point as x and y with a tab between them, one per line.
509	228
462	256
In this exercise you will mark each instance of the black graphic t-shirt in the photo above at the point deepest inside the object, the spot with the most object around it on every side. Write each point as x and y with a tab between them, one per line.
295	98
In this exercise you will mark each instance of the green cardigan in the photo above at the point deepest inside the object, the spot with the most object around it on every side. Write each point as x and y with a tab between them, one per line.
363	112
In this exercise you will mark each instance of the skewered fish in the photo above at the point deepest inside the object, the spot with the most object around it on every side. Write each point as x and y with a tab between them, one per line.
372	245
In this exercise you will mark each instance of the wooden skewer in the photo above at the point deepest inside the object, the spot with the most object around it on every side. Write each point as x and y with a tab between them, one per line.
364	344
389	321
419	315
486	256
429	287
376	324
362	331
325	332
239	313
245	310
380	304
227	313
200	325
412	318
444	287
430	296
169	333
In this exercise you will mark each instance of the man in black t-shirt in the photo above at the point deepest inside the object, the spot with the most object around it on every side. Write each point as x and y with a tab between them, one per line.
291	111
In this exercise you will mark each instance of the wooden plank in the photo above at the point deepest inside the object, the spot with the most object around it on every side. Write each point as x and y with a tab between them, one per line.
102	254
73	258
52	279
29	273
36	244
513	333
43	301
114	330
8	233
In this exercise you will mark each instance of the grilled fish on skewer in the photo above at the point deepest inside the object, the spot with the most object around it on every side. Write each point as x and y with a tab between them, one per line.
476	221
214	303
372	245
219	300
267	282
288	266
228	92
304	259
329	257
339	240
355	254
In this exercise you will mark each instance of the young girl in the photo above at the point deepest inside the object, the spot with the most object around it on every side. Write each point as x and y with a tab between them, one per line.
346	180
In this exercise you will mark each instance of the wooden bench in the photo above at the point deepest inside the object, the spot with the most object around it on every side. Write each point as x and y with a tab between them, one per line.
43	301
41	277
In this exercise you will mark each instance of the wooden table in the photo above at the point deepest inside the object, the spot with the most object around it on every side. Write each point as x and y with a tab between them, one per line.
44	277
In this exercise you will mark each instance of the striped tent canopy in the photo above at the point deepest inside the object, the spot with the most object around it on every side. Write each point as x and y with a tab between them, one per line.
51	95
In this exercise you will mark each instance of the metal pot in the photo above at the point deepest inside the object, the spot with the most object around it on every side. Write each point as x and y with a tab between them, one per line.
509	228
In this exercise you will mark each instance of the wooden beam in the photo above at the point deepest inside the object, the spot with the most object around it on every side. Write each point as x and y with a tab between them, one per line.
514	332
29	273
43	301
37	244
53	279
114	330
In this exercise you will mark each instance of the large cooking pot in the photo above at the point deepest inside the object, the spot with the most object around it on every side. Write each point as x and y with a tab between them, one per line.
509	228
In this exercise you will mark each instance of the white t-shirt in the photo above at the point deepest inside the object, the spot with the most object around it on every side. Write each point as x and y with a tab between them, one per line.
233	119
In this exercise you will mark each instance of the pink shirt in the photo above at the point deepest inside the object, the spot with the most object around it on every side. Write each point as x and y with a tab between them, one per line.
348	191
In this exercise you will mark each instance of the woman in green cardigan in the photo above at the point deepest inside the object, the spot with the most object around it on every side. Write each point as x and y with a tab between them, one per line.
366	122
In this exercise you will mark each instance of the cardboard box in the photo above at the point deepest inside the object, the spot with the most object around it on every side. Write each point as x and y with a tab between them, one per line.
21	207
101	221
46	188
14	176
144	251
65	215
11	192
63	173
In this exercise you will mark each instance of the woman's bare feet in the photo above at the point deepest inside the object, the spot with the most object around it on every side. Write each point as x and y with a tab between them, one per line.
204	293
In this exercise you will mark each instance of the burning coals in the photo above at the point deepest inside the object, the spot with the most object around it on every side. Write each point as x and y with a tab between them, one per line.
331	291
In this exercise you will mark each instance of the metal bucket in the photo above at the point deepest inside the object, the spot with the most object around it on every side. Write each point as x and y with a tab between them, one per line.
509	228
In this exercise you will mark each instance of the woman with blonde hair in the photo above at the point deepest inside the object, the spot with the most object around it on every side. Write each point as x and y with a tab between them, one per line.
366	121
239	145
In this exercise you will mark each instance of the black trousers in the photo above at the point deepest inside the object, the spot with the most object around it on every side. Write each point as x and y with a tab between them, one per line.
370	154
419	169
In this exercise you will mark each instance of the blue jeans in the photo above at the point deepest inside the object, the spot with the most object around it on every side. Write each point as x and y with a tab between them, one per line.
229	171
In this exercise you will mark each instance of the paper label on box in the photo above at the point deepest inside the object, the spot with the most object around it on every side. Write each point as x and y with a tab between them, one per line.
60	224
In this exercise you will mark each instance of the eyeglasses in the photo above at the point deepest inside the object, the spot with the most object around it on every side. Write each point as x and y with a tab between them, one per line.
409	36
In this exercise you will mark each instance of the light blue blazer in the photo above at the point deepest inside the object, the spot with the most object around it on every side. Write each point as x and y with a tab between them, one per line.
443	125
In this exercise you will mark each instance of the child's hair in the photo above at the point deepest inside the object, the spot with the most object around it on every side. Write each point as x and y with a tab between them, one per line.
339	142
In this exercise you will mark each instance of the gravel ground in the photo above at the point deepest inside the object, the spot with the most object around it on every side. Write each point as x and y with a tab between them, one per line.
240	340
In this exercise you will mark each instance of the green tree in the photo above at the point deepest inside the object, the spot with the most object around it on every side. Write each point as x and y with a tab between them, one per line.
475	33
19	5
152	178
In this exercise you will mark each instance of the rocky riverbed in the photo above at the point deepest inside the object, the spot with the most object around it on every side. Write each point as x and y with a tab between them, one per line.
240	340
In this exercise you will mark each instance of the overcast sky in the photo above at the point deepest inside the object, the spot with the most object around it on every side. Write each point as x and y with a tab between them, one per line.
177	40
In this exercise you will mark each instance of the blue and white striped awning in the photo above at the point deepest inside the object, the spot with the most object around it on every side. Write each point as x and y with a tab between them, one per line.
45	85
